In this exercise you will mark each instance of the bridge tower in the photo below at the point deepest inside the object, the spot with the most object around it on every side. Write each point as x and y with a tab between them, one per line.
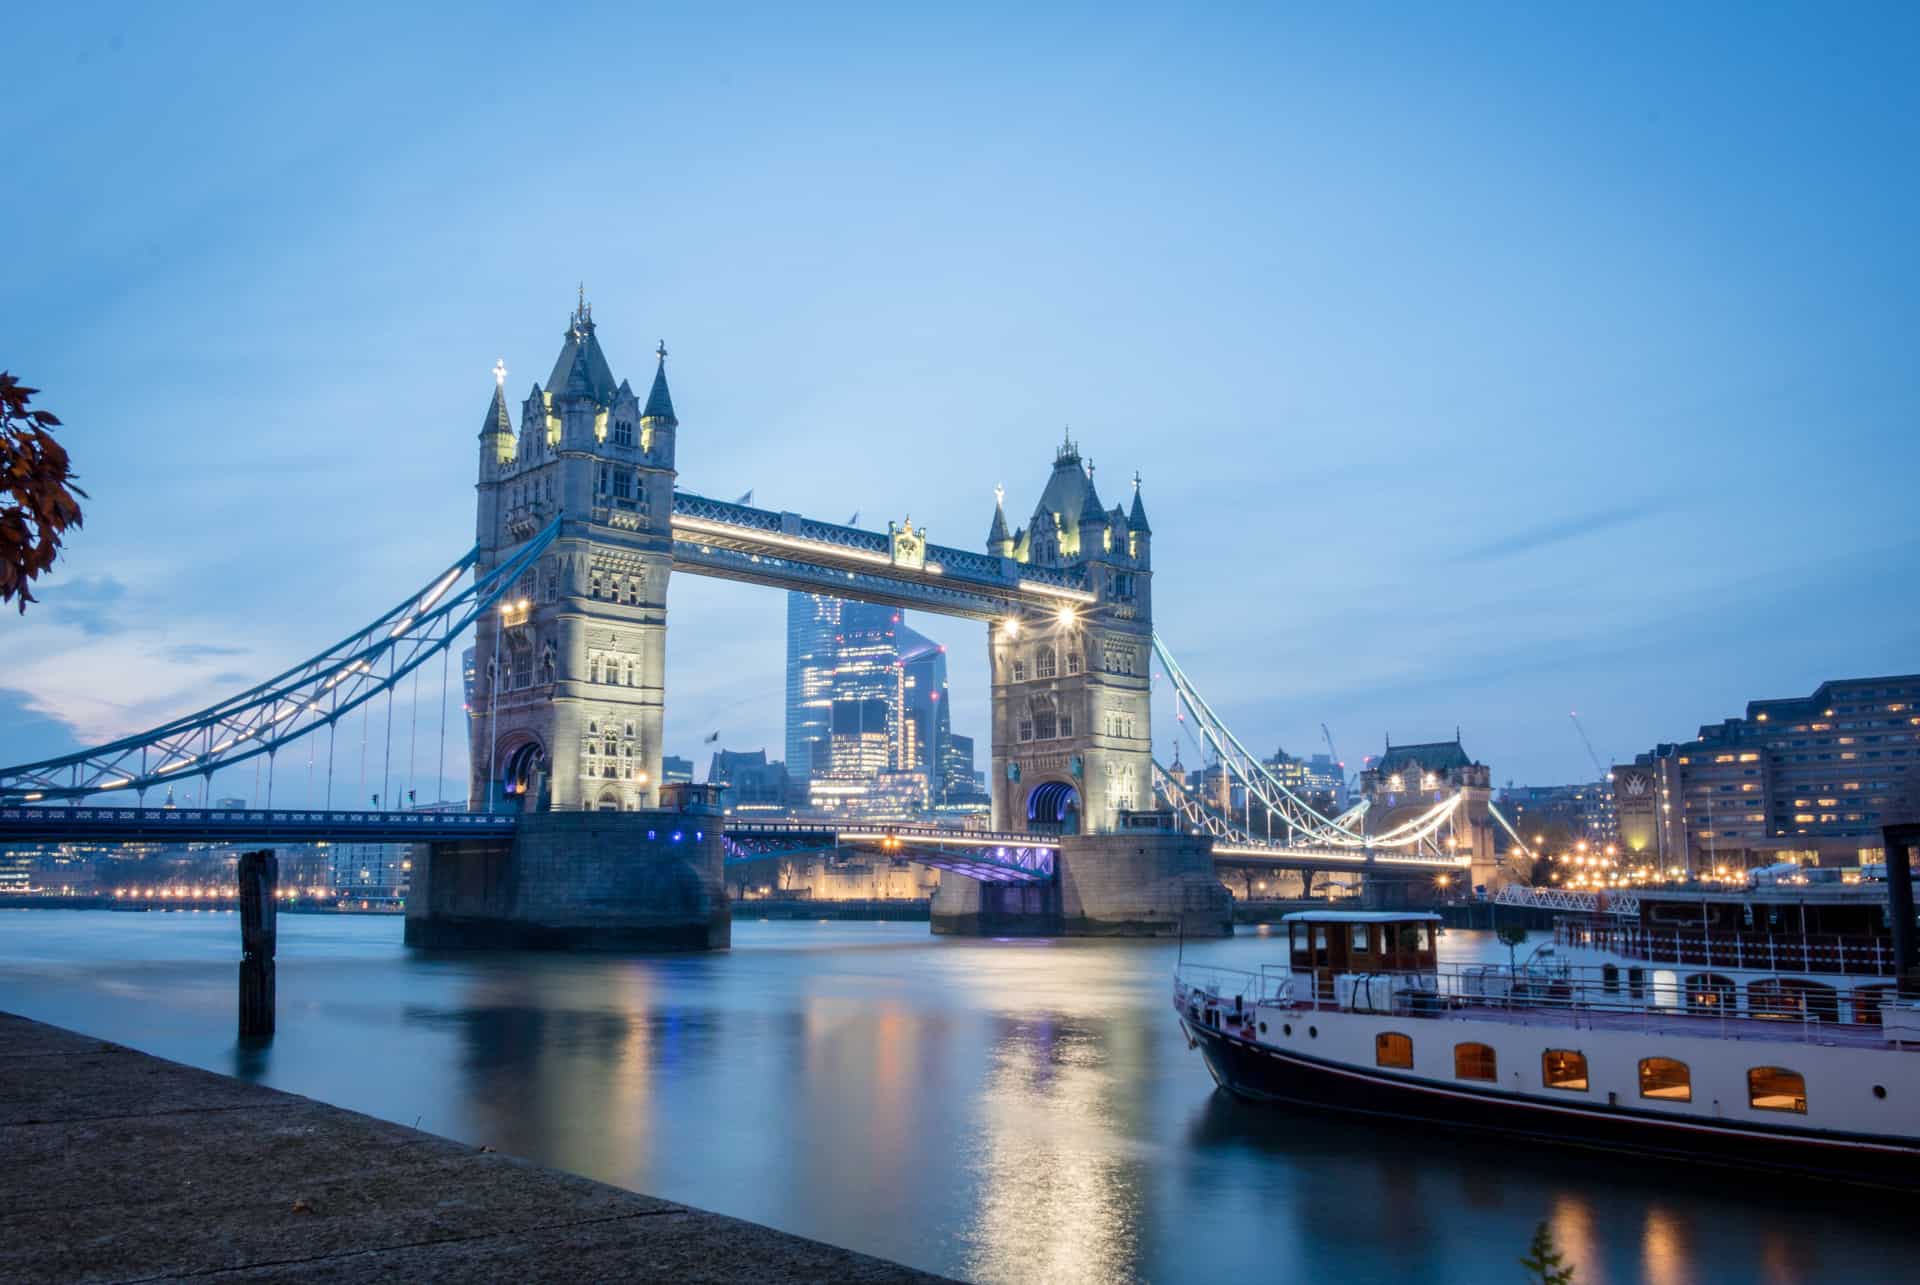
570	671
1072	742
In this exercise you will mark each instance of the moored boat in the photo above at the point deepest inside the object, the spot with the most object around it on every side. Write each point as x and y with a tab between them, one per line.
1363	1017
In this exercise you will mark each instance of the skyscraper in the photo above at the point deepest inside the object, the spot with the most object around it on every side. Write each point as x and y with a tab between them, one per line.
864	733
924	722
866	695
813	621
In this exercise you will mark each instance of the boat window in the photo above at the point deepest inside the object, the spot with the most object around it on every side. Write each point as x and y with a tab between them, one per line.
1360	939
1564	1069
1774	1088
1662	1077
1423	938
1474	1062
1709	991
1392	1049
1867	1001
1793	997
1319	936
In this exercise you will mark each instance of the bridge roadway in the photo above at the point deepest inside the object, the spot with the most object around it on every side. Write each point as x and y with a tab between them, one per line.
984	855
991	857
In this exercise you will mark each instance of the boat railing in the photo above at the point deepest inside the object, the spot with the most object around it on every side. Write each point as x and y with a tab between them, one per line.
1847	954
1225	985
1606	997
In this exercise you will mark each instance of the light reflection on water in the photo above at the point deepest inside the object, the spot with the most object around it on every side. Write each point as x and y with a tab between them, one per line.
1005	1111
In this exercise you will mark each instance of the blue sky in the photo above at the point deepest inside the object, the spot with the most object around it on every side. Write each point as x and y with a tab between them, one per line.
1482	362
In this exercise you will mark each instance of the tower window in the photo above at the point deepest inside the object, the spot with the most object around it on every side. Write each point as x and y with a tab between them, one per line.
1045	725
623	432
1045	665
1073	661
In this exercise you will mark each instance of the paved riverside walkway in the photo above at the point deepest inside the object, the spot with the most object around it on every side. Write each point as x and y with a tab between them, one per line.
119	1166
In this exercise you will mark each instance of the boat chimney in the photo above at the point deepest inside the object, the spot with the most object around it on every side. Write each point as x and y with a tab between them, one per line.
1897	840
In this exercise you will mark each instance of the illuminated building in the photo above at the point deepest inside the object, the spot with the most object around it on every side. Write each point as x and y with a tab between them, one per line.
369	871
1811	777
1326	778
1585	809
675	770
467	676
753	785
373	871
813	621
867	694
16	865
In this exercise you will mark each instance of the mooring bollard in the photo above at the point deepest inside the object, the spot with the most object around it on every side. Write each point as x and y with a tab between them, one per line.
259	880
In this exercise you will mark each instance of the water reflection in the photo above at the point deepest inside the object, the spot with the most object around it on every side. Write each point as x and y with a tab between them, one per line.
1021	1111
1060	1192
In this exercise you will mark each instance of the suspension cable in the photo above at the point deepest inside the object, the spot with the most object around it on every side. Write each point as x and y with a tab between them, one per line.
446	662
413	732
386	764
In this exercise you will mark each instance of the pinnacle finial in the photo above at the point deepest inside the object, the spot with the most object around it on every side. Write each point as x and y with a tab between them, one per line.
1089	468
500	372
999	494
1136	481
661	351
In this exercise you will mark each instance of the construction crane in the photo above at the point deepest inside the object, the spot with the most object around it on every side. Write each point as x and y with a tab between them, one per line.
1333	753
1601	773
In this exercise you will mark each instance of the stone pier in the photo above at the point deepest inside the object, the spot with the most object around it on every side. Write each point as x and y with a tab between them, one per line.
1136	883
576	881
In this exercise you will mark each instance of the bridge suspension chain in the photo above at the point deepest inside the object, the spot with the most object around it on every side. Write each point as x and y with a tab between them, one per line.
313	694
1309	826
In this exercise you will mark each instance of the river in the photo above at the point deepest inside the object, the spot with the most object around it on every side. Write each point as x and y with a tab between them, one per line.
994	1110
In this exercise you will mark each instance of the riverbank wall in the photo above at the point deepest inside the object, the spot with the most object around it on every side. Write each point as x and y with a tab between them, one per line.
124	1166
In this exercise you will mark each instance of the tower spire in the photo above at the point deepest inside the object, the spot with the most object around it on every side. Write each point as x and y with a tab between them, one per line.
659	401
1137	516
999	539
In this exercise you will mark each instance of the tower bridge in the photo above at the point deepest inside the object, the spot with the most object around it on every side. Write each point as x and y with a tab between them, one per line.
580	526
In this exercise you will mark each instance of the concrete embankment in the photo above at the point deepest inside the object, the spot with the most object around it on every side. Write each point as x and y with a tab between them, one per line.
122	1166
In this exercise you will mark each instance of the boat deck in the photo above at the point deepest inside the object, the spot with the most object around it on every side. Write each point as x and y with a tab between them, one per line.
1668	1021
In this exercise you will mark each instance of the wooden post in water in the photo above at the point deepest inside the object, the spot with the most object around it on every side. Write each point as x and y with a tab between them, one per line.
259	880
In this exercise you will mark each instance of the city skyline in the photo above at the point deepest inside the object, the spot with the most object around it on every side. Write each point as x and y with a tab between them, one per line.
1403	478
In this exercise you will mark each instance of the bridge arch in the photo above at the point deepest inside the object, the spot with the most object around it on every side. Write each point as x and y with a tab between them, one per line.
521	783
1053	807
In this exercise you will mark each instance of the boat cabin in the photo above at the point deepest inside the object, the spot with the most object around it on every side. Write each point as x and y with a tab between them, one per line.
1329	944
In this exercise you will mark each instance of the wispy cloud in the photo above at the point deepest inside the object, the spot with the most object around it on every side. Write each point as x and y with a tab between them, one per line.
1561	530
90	604
188	653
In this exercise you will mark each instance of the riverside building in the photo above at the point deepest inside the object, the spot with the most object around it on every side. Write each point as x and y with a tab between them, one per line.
1800	778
